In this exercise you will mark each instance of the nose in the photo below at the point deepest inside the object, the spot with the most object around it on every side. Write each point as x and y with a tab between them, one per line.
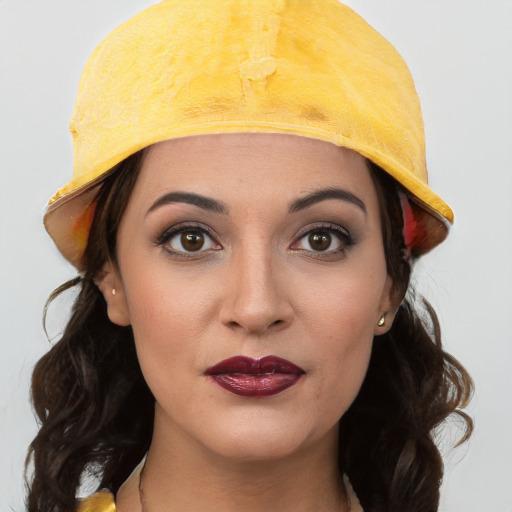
257	296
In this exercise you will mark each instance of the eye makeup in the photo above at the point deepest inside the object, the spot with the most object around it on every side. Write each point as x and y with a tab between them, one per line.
323	240
188	239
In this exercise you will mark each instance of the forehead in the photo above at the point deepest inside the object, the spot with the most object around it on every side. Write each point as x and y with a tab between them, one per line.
255	162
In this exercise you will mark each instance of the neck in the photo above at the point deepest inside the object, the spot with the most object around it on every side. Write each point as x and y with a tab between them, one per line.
180	475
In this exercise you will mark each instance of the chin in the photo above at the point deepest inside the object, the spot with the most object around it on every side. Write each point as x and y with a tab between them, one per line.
257	449
265	440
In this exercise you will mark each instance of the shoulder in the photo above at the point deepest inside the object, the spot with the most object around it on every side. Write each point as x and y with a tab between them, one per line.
102	501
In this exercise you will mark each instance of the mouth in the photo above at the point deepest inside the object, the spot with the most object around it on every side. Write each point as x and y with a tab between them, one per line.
245	376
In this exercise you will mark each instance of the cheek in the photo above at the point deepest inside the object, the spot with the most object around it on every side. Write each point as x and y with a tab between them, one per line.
342	304
169	321
339	316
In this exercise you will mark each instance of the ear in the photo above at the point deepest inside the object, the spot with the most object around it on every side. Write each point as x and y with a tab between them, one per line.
388	306
111	286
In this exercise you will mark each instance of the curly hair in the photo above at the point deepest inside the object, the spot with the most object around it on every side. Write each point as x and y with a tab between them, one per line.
387	437
96	411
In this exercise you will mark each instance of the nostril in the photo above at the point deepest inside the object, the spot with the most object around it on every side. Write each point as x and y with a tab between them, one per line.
255	328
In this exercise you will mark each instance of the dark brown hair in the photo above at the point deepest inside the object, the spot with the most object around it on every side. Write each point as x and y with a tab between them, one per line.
96	411
387	437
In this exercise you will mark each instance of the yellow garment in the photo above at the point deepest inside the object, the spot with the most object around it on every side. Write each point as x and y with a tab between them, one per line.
102	501
312	68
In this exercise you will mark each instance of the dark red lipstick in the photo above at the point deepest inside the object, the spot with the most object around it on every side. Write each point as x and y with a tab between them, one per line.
246	376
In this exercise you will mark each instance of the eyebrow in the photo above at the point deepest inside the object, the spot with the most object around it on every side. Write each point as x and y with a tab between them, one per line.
206	203
215	206
325	194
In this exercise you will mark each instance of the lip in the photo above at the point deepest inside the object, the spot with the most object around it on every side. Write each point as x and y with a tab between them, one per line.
246	376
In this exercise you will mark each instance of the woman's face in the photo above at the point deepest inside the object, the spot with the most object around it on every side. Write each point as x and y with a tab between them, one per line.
248	246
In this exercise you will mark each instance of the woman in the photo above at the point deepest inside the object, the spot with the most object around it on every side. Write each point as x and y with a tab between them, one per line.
248	199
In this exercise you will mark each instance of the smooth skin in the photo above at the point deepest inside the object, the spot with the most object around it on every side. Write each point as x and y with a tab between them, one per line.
255	245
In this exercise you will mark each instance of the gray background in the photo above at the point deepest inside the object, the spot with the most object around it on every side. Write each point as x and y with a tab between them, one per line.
460	54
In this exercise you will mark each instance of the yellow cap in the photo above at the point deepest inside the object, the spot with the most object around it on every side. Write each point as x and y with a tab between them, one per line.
313	68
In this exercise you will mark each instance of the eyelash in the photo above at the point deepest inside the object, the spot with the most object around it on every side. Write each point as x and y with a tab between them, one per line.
166	237
341	234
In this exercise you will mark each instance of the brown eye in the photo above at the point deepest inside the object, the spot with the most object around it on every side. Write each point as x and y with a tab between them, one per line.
192	241
319	241
329	240
181	241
